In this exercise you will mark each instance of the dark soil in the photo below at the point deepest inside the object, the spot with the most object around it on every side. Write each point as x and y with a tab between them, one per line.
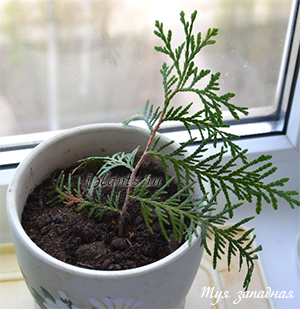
72	237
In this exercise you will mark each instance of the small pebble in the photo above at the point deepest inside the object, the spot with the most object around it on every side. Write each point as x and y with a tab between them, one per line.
106	263
62	256
130	264
58	219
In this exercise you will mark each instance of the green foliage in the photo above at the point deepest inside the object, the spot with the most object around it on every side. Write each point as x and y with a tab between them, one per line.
242	182
181	206
92	199
189	72
241	246
60	191
146	115
117	159
238	179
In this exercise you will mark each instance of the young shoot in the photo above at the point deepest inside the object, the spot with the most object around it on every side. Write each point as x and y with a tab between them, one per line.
237	180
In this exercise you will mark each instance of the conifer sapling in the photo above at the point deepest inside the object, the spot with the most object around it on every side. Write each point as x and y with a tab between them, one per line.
246	182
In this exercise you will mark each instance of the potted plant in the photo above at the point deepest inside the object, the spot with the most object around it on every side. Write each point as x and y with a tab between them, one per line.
181	209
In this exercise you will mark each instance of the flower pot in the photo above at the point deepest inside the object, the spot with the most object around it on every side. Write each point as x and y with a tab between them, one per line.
55	284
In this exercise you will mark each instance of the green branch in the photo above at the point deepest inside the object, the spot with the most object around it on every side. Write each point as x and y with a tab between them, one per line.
238	179
173	212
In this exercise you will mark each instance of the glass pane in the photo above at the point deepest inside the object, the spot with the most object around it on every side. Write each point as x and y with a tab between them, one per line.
65	62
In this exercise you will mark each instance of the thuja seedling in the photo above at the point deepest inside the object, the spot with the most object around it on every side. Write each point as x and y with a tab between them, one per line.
245	183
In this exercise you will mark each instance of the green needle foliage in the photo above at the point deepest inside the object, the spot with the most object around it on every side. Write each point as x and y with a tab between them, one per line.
118	159
64	194
238	179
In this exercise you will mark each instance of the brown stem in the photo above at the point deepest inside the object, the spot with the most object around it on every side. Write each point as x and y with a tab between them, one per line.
134	172
141	160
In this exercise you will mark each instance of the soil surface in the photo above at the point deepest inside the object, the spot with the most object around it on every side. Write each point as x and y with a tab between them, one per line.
70	236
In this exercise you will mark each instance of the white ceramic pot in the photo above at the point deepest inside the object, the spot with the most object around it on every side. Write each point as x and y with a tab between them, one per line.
55	284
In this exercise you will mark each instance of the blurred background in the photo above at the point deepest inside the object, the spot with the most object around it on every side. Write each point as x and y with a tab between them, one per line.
65	63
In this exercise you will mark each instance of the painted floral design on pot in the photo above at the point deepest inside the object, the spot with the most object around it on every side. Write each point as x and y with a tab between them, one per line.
119	303
47	301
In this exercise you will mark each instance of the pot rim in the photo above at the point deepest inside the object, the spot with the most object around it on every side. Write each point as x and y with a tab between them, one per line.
21	235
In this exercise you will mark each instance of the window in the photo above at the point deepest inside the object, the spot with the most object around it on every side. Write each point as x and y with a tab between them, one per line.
68	63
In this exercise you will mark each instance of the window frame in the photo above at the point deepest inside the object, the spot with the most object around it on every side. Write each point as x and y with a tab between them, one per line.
285	133
14	148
